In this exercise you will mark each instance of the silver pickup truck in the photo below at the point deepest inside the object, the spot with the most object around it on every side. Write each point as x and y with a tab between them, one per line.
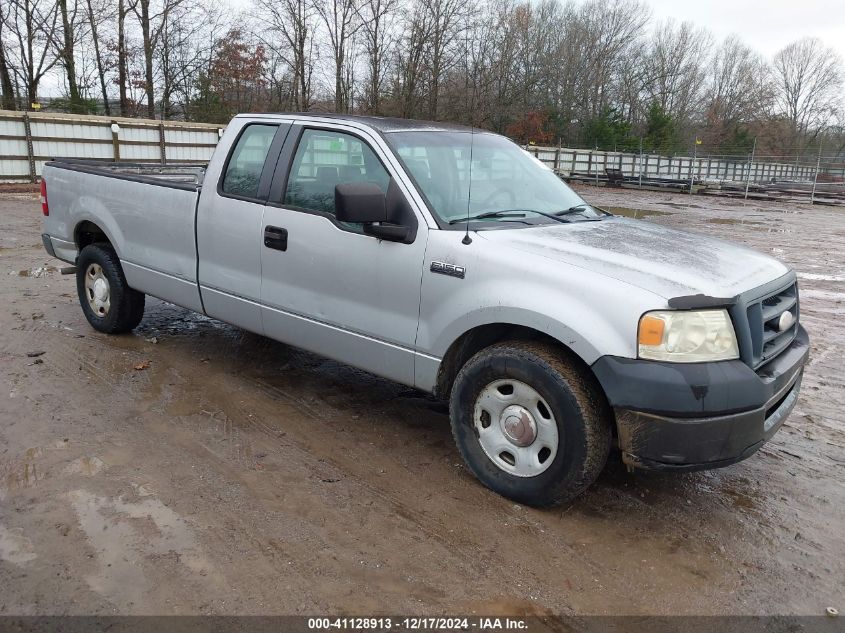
452	261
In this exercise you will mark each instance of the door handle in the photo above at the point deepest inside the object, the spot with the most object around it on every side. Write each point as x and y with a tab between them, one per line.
276	237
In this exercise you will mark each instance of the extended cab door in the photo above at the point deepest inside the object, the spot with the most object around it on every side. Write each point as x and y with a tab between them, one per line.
229	222
326	285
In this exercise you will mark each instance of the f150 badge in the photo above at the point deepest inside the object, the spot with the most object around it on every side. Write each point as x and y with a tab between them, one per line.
448	269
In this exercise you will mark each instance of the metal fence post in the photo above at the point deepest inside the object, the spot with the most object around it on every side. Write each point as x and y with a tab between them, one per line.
694	157
161	146
750	162
30	152
641	162
115	141
816	177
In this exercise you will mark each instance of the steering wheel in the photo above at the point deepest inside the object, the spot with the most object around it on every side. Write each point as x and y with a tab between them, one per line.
501	191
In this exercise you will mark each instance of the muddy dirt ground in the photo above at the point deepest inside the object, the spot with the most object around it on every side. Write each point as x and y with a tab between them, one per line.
194	468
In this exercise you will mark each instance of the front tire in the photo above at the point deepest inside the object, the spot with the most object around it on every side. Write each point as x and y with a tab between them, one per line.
108	302
531	424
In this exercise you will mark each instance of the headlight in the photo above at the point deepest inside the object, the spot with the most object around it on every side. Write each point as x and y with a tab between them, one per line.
686	336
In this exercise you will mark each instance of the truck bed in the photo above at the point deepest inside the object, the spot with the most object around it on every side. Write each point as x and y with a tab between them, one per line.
183	175
147	213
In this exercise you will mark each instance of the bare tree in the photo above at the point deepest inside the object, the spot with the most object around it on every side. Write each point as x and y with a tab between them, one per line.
33	25
376	20
808	80
675	67
444	20
6	85
608	31
738	92
123	9
294	20
158	25
182	46
97	14
66	47
341	20
409	61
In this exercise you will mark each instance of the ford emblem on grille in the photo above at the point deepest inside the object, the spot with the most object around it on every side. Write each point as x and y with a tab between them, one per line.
785	321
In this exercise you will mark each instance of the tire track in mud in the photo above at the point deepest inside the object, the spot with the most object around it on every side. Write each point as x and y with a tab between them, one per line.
246	413
42	336
245	417
106	366
255	415
66	359
586	567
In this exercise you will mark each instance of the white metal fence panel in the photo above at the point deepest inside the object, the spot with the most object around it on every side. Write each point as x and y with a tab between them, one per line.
29	139
595	163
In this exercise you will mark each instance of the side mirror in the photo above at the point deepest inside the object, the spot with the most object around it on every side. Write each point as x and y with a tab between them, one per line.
360	202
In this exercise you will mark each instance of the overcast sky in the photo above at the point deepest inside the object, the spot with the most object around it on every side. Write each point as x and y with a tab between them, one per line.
764	26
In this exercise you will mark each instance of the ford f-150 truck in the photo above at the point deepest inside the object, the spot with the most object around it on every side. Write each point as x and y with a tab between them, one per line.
450	260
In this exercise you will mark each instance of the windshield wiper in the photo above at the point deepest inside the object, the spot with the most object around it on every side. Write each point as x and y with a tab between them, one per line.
557	216
510	213
578	208
507	213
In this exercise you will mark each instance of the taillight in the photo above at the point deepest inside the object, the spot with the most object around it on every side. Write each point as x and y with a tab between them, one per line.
45	209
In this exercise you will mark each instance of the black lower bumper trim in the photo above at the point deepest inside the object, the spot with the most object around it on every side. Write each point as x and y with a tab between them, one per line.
655	442
48	245
642	463
672	416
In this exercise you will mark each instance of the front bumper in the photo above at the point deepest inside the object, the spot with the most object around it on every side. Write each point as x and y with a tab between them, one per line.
675	416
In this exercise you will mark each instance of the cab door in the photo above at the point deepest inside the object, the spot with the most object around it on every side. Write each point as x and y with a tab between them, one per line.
229	223
327	286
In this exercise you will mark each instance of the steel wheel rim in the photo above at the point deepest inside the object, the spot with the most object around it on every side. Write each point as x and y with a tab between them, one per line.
515	427
97	290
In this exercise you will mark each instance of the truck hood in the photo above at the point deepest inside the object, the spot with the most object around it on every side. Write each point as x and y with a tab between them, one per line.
665	261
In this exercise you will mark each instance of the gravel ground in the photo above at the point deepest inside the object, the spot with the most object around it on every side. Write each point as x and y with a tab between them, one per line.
194	468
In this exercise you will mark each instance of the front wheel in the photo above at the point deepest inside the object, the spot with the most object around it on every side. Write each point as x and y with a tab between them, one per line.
532	425
108	302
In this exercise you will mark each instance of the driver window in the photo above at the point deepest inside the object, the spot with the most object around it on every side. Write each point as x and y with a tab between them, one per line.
325	159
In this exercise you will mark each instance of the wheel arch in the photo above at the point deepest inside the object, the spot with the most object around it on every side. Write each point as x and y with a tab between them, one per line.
482	336
87	232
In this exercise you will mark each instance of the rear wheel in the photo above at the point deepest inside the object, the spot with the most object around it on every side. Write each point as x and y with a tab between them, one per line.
108	302
531	424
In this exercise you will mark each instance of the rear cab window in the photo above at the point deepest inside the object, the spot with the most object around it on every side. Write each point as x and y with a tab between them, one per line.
246	162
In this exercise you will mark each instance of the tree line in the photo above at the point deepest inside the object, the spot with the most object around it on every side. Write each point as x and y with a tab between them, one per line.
602	74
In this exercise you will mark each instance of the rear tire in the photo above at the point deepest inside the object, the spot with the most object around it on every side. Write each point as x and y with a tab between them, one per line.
108	302
531	424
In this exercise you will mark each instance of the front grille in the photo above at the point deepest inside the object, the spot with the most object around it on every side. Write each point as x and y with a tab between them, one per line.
764	314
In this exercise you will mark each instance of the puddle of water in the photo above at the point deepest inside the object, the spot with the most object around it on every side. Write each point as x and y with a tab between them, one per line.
125	535
15	548
85	466
637	214
19	475
26	471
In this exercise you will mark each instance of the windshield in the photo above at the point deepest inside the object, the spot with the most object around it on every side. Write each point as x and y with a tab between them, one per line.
504	178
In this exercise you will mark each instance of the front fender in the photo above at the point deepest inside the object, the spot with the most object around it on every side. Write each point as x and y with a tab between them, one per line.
579	342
